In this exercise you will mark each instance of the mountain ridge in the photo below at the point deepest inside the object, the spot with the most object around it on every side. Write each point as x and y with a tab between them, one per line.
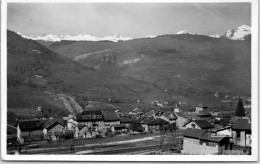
238	33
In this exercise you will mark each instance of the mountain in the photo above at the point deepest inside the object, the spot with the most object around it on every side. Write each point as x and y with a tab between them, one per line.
184	65
214	36
37	75
81	37
186	68
185	32
239	33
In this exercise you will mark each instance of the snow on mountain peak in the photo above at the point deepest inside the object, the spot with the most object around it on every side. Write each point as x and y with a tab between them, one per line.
185	32
239	33
80	37
214	36
150	36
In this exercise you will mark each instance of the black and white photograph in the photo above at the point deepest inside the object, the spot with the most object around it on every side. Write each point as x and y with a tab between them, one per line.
129	81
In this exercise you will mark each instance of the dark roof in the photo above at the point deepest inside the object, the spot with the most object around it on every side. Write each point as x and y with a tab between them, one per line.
217	129
120	126
209	136
202	135
126	120
154	121
242	124
80	126
193	133
110	116
29	125
204	114
52	122
203	124
90	116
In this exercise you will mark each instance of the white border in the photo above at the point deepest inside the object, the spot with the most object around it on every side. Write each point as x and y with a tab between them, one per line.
254	85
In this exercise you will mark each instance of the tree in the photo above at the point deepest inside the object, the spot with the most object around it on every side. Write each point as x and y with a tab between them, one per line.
163	130
240	111
172	128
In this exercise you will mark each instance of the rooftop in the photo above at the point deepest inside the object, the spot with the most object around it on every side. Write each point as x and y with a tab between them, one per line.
203	124
202	135
90	115
110	116
242	124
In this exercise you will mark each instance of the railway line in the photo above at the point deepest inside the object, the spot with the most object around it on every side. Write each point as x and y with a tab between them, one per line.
131	150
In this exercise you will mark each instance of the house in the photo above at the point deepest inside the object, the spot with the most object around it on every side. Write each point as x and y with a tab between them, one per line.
181	121
153	125
30	130
93	119
54	128
241	133
200	108
126	120
71	123
202	142
204	115
224	131
120	127
82	131
199	124
169	117
110	119
151	113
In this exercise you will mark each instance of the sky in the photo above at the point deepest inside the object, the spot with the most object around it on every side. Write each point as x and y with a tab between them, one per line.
126	19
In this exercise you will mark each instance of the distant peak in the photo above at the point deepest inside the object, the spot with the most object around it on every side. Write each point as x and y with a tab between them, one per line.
215	36
185	32
238	33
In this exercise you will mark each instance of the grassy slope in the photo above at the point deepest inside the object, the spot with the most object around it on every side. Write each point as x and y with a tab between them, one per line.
205	64
24	62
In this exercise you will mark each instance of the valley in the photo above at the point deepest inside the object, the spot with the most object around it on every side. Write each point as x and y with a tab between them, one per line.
185	68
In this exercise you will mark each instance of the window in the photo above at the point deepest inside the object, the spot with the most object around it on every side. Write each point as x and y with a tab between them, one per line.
238	134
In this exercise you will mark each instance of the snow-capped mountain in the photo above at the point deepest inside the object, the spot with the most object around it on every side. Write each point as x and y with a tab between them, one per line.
235	34
214	36
49	37
239	33
185	32
150	36
81	37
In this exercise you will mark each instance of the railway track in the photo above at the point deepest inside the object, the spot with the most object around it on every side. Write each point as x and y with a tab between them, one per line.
125	150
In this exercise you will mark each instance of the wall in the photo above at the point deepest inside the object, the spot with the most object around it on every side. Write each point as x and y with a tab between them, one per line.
226	132
56	128
242	140
180	122
83	132
198	109
189	125
111	123
101	125
193	146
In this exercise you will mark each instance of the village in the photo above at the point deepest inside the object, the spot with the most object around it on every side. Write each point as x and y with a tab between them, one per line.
156	131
